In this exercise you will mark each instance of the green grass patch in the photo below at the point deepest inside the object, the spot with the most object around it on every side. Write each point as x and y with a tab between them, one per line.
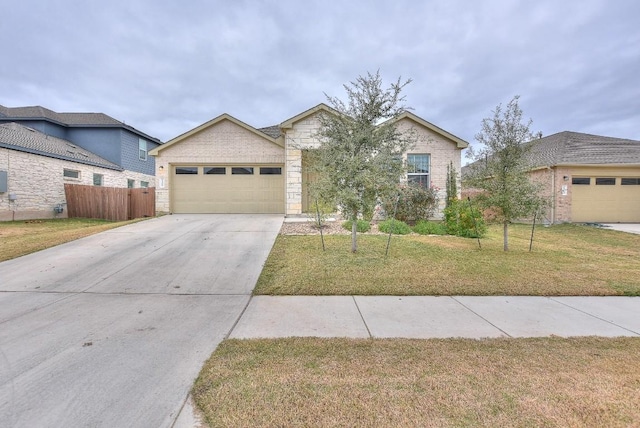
395	227
424	227
18	238
362	226
398	382
566	260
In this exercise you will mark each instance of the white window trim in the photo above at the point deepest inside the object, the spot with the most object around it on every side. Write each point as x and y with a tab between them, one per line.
417	174
142	149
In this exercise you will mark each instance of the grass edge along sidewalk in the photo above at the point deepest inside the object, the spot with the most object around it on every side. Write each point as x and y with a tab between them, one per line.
566	259
438	382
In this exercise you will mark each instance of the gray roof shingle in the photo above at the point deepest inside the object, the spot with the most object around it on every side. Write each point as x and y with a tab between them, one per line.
67	119
17	137
271	131
574	148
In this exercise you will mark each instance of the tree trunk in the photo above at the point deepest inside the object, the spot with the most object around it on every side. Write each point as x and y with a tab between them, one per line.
506	235
354	231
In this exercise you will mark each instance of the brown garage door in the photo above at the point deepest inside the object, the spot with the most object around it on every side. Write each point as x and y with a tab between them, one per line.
227	189
605	199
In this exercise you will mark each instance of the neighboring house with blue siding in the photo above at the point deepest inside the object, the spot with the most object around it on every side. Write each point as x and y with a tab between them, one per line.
41	150
103	135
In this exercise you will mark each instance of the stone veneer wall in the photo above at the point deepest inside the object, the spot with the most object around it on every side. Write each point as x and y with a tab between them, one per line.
38	183
442	152
222	143
301	136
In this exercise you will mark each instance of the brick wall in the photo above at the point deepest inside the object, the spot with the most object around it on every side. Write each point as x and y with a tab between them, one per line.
222	143
38	183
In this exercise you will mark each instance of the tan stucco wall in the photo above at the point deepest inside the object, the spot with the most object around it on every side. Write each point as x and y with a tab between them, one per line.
222	143
38	183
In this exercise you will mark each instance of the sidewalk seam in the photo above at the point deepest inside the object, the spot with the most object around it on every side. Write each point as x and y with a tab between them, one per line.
233	327
362	317
479	316
594	316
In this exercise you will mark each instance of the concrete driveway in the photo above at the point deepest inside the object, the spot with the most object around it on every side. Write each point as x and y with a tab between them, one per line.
111	330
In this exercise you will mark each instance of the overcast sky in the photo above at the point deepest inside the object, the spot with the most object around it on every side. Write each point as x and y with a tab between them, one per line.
165	67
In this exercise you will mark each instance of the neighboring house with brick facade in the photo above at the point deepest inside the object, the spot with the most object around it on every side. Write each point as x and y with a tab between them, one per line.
40	150
228	166
587	178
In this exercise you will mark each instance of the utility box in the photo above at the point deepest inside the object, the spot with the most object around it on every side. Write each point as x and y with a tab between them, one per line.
4	182
12	197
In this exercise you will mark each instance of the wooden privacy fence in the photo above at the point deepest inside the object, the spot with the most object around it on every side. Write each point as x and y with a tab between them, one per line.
109	203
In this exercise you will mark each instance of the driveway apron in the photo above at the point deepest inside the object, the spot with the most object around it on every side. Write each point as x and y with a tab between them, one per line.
112	329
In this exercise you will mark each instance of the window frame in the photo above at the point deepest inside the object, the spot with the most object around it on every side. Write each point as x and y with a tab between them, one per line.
605	181
576	181
144	184
142	149
214	170
630	181
100	179
270	170
182	170
424	178
67	177
235	170
131	183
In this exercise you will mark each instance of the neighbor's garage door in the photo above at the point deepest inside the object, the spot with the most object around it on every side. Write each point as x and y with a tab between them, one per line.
227	189
605	199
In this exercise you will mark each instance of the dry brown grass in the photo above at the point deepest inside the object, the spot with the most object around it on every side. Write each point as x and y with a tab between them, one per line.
18	238
566	260
377	383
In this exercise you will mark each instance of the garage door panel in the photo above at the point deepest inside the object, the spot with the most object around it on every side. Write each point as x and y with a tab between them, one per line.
228	193
605	203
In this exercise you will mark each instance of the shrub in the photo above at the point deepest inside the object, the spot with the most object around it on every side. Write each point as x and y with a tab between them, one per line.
395	227
462	219
424	227
362	226
415	203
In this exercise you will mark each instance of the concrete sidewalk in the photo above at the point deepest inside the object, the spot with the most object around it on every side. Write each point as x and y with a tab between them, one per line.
438	317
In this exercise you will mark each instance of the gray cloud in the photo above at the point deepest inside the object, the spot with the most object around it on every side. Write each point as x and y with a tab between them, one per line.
166	68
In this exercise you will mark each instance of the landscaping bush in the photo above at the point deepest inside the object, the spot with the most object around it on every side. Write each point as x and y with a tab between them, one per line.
395	227
462	219
362	226
424	227
415	203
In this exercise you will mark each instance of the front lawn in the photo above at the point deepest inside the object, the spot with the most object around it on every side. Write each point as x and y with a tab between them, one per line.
591	382
566	260
18	238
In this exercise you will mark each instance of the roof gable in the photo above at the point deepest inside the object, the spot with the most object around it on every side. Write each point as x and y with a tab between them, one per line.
459	142
287	124
21	138
209	124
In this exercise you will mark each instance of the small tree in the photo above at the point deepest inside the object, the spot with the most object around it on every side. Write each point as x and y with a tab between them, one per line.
360	155
452	184
500	170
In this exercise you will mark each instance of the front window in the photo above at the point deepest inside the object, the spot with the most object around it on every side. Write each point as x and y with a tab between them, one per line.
71	173
97	179
418	169
142	149
144	184
130	183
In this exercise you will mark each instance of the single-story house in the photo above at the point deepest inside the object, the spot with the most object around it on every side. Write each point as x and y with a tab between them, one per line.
34	168
588	178
228	166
